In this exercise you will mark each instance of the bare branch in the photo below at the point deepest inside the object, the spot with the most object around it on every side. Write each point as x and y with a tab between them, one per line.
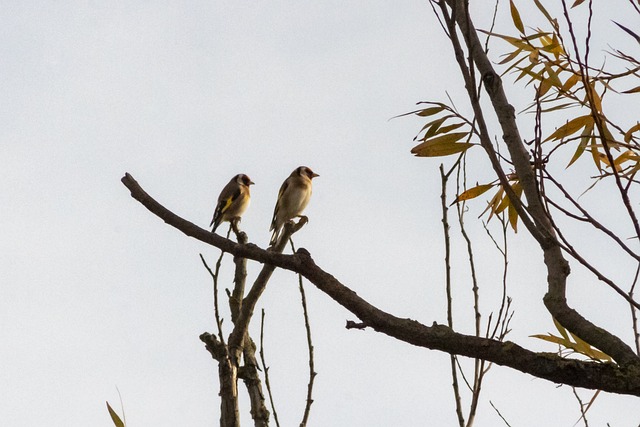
623	379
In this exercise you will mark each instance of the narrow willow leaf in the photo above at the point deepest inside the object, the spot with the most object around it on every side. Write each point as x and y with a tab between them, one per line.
429	111
554	339
473	192
513	214
571	82
560	329
628	134
628	31
527	71
585	137
544	11
577	3
558	107
114	417
510	57
544	87
597	102
595	154
493	203
553	76
437	149
582	346
634	90
519	43
449	128
515	16
440	119
571	127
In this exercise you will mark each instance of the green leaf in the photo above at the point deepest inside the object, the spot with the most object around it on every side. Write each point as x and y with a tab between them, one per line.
114	417
515	16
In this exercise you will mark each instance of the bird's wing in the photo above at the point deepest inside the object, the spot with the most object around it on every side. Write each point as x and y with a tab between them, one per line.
228	195
283	188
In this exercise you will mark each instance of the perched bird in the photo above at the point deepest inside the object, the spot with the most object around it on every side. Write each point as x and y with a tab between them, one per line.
293	197
233	200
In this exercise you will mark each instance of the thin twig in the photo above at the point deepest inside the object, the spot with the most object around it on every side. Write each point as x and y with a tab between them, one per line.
312	372
583	414
634	314
447	260
214	276
499	414
266	371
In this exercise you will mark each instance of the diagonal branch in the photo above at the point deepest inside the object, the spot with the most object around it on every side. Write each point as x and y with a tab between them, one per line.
605	376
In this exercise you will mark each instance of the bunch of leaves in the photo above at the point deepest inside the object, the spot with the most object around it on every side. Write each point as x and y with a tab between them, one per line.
571	344
541	58
500	200
446	133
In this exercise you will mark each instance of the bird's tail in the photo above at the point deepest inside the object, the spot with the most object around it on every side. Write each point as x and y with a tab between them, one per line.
274	236
215	222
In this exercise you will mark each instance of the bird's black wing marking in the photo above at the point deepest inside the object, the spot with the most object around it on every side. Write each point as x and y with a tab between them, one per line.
284	186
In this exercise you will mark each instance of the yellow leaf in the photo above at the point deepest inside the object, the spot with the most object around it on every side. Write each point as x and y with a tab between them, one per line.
114	417
447	129
544	87
429	111
571	127
560	328
543	10
553	76
515	16
513	214
595	154
584	140
597	102
510	56
629	133
437	149
494	202
472	193
571	82
554	339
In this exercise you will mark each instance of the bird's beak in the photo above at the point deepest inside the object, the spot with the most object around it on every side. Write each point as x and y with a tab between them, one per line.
252	183
313	175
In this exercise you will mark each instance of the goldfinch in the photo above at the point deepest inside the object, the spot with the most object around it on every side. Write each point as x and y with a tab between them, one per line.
293	197
233	200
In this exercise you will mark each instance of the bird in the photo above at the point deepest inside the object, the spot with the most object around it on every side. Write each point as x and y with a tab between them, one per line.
233	200
293	197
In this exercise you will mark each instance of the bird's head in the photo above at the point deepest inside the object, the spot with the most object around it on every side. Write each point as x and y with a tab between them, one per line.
306	172
243	179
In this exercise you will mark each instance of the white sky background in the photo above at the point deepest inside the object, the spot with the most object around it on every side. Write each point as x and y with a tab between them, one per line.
98	293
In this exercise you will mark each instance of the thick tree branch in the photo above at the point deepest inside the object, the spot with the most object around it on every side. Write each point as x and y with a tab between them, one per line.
542	230
594	375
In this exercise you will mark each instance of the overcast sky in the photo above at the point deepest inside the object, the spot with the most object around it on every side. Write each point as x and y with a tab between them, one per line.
99	294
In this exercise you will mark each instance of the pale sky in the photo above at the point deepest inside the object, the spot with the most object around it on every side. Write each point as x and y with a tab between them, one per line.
99	294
